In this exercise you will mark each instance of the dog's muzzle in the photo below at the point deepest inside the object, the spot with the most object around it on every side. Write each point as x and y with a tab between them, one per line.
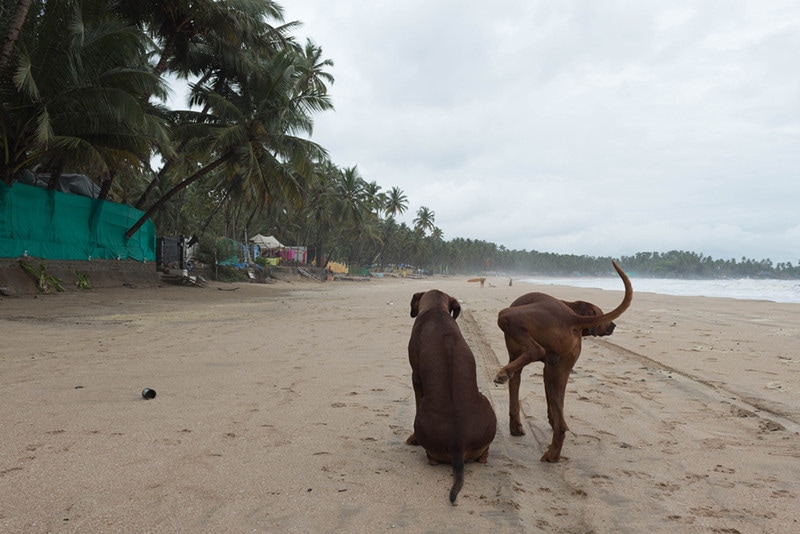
606	329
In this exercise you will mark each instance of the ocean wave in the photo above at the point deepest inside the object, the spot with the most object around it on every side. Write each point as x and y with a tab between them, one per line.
745	288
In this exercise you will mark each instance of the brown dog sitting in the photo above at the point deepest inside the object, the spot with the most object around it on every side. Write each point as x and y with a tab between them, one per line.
538	327
454	421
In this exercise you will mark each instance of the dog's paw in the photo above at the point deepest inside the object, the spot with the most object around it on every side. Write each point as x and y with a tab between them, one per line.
412	440
516	429
550	458
501	378
431	461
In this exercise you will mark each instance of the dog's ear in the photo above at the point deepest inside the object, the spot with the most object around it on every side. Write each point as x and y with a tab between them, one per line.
455	308
584	308
415	304
587	309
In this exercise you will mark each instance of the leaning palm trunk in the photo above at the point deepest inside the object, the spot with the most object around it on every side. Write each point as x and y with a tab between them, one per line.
14	29
177	188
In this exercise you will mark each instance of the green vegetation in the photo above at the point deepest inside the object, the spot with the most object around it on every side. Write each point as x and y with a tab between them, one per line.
82	281
84	86
45	283
673	264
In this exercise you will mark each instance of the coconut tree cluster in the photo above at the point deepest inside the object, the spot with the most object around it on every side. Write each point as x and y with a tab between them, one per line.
85	87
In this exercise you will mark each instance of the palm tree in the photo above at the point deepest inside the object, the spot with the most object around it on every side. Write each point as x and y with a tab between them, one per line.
312	68
318	208
395	242
15	23
396	202
196	38
376	198
246	130
182	28
351	208
70	101
424	221
353	198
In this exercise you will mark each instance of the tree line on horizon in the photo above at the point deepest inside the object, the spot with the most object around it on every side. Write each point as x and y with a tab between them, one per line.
84	88
671	264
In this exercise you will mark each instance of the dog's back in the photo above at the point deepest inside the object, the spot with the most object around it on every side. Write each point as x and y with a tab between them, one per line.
448	374
454	421
549	304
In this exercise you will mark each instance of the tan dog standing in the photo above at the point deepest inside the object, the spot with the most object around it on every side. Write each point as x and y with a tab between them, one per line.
538	327
454	421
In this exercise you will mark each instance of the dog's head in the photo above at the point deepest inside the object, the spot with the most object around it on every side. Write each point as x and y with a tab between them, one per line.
434	298
588	309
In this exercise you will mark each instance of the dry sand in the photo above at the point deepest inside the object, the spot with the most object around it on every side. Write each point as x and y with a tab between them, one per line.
284	408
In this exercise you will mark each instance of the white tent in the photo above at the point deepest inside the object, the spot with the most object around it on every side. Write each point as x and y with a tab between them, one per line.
266	241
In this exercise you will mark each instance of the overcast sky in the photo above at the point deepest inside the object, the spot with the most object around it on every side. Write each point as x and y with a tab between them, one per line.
593	127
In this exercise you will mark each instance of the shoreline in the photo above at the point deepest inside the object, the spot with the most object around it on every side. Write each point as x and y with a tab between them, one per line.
773	290
284	407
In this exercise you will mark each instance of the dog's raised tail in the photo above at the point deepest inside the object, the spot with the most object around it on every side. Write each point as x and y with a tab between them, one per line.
626	301
616	312
458	475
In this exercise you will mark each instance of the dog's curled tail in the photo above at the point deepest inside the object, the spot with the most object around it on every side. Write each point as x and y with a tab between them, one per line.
586	321
626	301
458	475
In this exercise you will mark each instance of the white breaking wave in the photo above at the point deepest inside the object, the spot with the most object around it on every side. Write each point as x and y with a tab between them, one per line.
744	288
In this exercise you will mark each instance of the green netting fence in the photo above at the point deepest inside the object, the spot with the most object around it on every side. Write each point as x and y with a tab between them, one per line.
59	226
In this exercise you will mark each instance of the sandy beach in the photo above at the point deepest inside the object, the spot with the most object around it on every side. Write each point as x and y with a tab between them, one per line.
285	407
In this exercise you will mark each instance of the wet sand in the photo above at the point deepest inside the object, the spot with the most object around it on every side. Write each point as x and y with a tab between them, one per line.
284	408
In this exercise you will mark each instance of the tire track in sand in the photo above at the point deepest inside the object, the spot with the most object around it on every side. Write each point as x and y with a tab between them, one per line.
748	404
505	499
543	499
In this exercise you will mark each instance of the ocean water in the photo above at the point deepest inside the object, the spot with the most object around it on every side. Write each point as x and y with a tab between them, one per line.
745	288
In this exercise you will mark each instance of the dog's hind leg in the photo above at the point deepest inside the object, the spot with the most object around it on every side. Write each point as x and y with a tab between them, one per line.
555	386
515	424
533	353
512	373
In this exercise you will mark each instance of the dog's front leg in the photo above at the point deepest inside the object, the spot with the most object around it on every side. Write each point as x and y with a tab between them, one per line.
417	384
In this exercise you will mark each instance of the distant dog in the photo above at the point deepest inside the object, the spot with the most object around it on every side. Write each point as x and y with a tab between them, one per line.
538	327
454	421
